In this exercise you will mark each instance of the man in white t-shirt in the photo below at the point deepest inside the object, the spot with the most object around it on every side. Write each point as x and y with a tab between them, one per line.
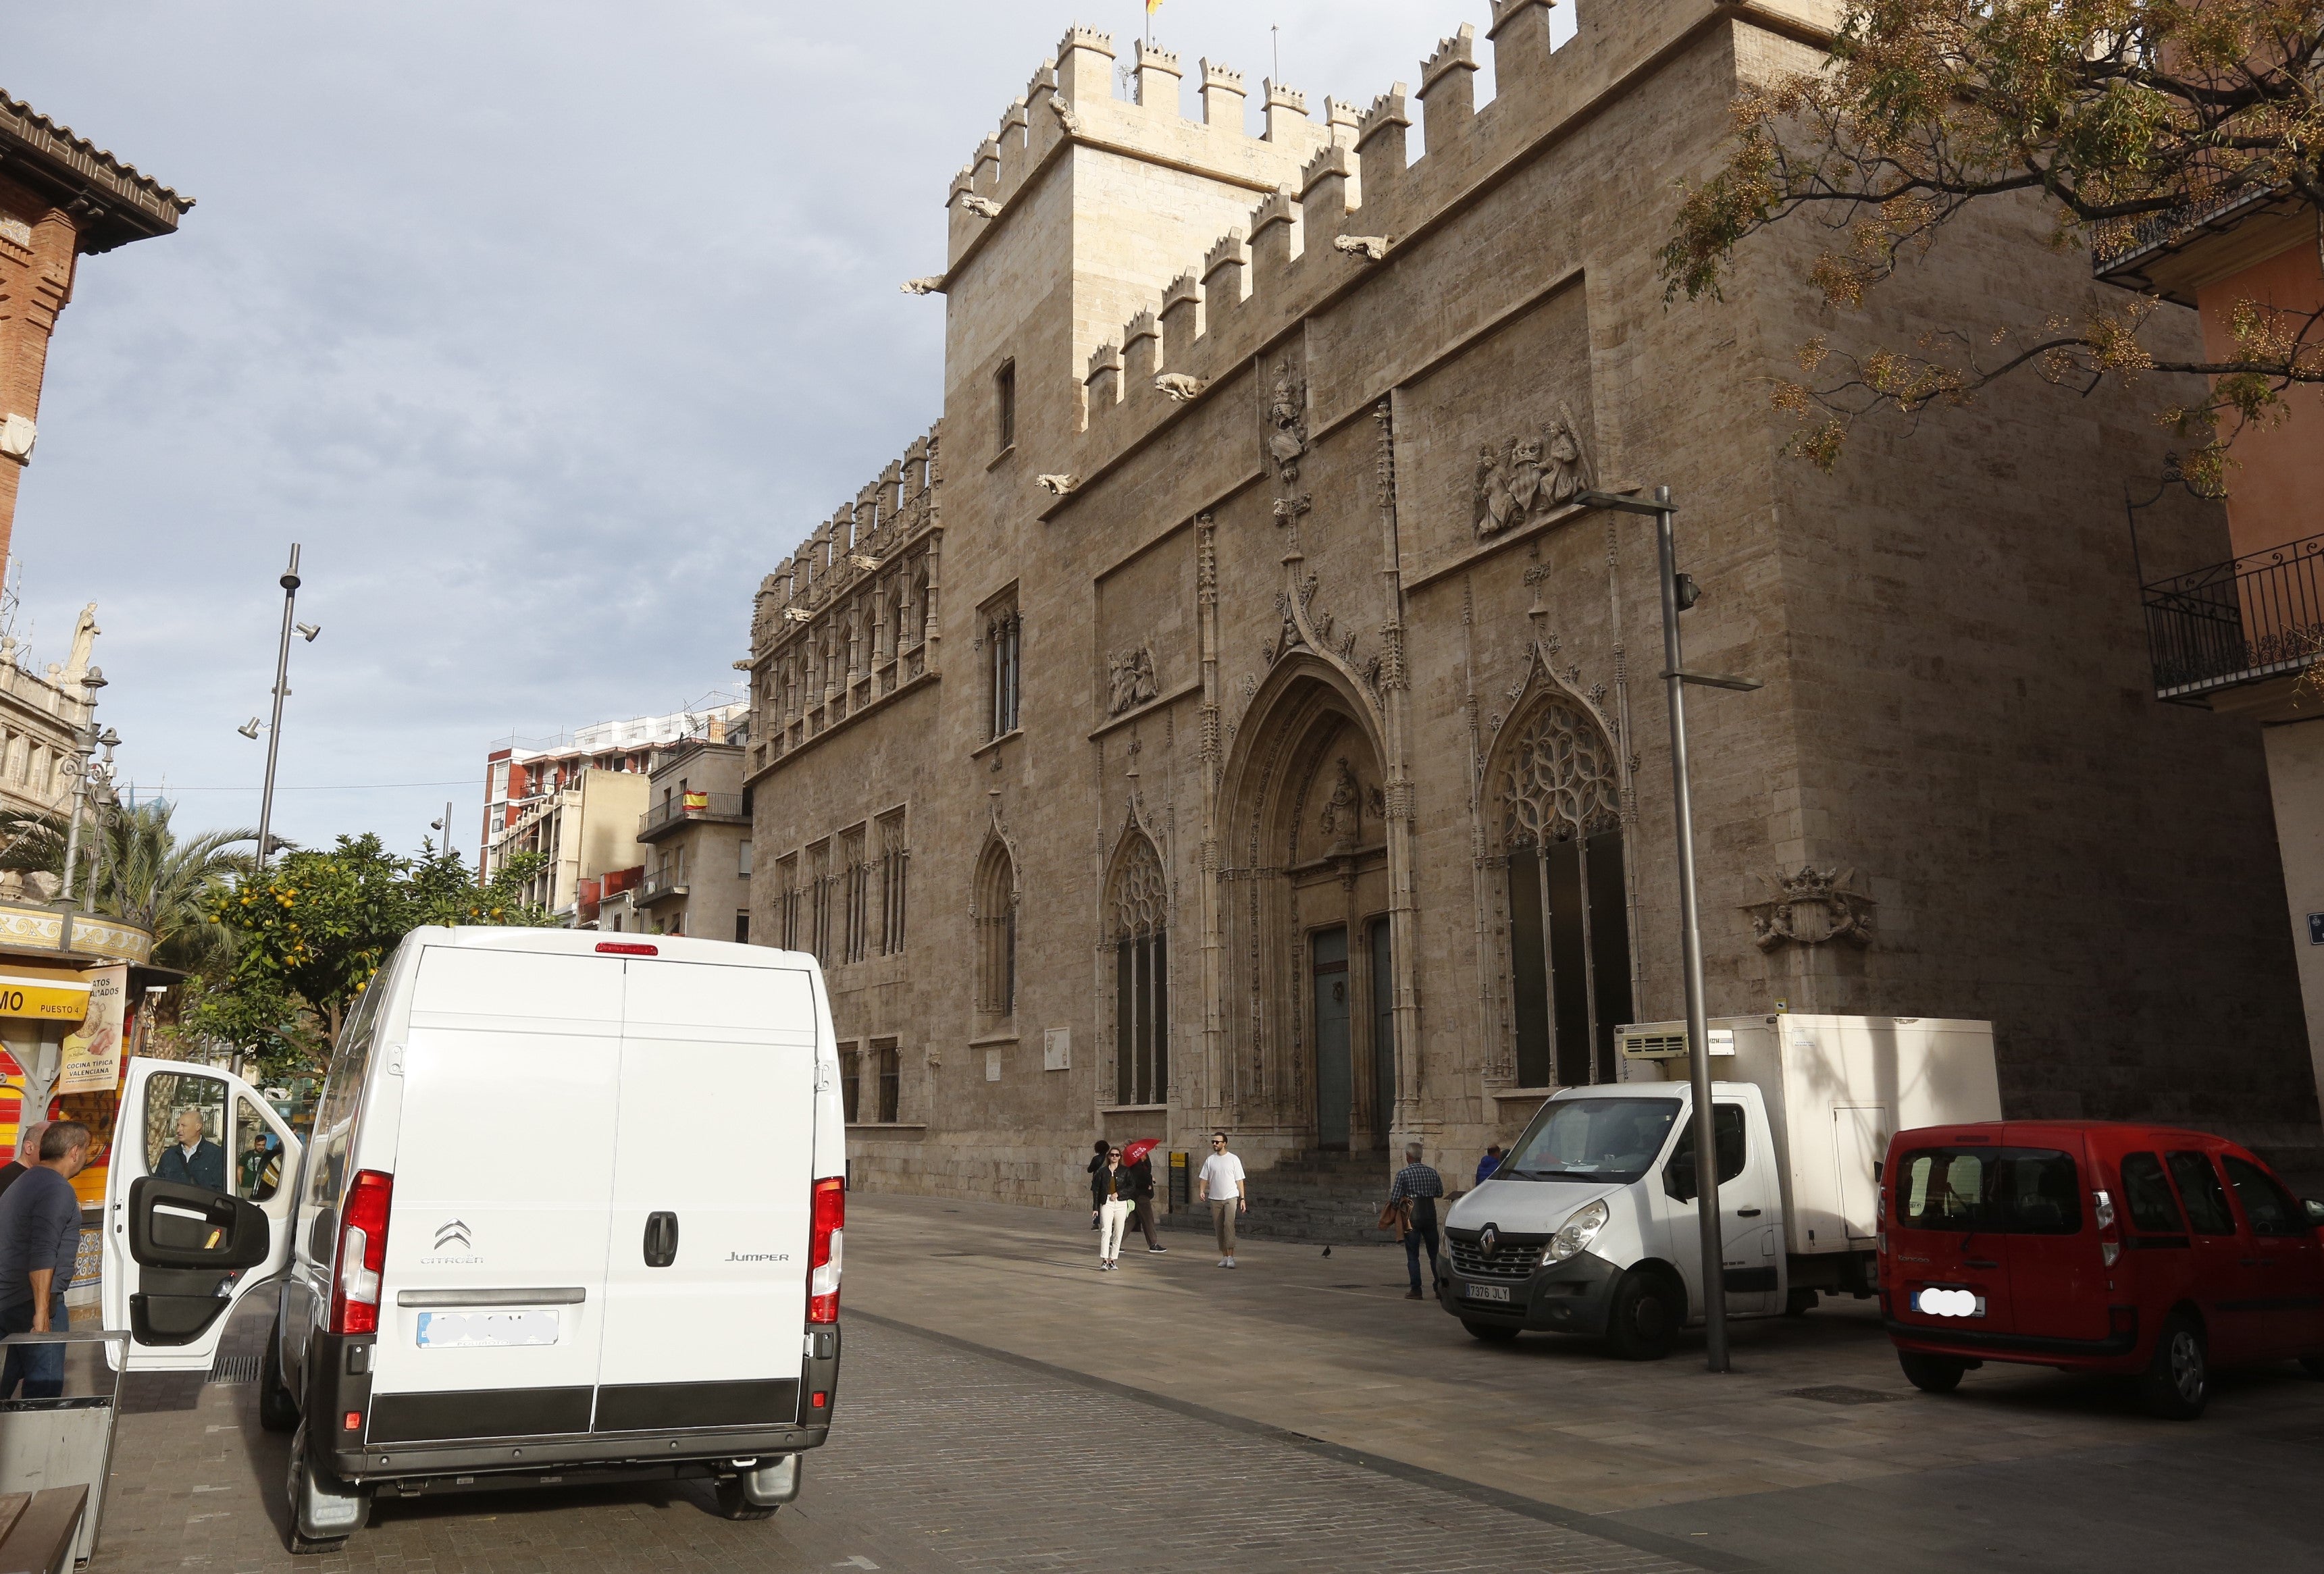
1222	1186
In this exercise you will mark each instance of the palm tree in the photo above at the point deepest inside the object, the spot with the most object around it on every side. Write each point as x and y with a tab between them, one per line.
143	874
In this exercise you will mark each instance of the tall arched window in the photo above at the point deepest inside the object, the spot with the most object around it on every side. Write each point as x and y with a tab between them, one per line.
996	931
1569	922
1139	914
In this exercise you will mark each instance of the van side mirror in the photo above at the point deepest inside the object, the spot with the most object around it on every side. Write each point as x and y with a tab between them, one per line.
172	1225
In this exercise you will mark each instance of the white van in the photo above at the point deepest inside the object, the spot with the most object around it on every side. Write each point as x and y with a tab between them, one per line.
1590	1226
571	1210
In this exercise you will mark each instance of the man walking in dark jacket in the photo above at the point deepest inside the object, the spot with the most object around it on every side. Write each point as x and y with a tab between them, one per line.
1141	1196
40	1241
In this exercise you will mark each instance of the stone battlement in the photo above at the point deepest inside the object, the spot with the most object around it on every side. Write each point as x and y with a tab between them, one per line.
1357	197
887	513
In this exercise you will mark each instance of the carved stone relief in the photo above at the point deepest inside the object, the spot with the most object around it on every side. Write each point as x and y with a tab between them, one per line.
1530	474
1129	677
1811	908
1342	815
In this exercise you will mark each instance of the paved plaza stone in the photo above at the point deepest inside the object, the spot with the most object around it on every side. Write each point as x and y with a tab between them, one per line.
1005	1407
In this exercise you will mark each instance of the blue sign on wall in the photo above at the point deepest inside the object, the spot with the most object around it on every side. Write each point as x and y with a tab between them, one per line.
2316	928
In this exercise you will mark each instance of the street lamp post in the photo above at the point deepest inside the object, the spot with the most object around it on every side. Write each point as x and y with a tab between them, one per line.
282	689
1676	677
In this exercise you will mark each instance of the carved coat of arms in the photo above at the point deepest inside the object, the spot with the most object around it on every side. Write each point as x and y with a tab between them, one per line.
1812	908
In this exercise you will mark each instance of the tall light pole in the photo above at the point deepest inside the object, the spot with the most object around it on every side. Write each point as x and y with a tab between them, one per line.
1676	677
282	690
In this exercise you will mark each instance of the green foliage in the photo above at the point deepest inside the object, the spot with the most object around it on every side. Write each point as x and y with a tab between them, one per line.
141	871
2115	120
312	928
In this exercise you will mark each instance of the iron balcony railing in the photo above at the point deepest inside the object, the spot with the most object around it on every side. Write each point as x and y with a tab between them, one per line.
2240	621
661	883
682	809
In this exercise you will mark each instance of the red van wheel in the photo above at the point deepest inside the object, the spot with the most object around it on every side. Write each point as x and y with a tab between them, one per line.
2178	1381
1931	1374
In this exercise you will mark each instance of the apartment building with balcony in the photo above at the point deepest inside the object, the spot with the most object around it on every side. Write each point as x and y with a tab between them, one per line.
696	832
577	798
2243	635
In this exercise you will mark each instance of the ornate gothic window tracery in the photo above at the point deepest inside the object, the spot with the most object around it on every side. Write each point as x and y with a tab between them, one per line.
1137	912
996	930
1568	919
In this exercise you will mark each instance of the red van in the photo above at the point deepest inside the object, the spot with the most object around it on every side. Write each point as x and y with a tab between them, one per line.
2092	1247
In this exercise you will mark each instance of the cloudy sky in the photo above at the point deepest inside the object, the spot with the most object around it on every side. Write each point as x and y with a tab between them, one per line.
546	328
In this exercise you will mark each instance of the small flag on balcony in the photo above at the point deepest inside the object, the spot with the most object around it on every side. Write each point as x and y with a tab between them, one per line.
697	803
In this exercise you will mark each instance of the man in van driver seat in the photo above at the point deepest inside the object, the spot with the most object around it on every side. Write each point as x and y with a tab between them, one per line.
193	1160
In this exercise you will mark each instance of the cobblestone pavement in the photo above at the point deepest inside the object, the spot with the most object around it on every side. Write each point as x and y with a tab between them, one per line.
943	1458
1005	1408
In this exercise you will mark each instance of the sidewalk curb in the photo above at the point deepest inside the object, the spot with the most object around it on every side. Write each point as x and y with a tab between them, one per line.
1603	1528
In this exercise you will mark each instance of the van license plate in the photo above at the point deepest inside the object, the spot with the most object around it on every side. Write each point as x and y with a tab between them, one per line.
1487	1292
1949	1303
473	1330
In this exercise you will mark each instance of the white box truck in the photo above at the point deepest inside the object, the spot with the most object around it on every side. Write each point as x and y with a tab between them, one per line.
1590	1225
571	1210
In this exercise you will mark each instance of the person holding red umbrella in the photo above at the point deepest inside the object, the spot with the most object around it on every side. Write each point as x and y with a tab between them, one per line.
1137	1158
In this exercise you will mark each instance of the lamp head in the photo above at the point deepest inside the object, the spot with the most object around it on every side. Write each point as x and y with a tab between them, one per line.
250	728
309	631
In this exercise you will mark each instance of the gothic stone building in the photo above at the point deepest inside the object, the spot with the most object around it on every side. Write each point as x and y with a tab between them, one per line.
1228	715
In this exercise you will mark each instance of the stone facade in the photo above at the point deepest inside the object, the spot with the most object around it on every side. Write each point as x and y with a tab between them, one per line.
1271	734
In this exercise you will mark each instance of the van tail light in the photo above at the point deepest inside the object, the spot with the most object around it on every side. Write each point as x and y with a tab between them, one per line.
823	1250
2109	1237
362	1253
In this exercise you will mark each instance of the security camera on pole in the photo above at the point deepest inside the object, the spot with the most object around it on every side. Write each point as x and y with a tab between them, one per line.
249	729
1679	591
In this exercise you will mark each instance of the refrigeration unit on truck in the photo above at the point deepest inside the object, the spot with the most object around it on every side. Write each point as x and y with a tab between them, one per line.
1590	1226
569	1211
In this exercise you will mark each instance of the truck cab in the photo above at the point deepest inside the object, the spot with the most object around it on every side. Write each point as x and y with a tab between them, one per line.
1589	1226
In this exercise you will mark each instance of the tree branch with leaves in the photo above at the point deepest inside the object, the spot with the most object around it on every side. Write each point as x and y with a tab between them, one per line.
2119	117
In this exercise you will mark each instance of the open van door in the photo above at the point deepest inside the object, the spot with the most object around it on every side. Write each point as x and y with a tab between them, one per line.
191	1226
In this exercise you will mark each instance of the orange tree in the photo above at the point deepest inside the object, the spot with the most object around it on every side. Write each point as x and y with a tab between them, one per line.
311	929
2120	118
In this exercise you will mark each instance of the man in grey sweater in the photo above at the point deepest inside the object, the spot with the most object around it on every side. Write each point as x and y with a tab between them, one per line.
39	1240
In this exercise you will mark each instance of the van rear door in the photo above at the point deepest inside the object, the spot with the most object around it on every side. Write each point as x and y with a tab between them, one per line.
1948	1235
502	1159
706	1291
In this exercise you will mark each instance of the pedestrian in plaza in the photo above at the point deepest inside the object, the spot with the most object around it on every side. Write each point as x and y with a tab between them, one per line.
1489	1164
1097	1163
193	1160
40	1241
28	1154
1415	1190
1142	1193
1110	1195
1222	1186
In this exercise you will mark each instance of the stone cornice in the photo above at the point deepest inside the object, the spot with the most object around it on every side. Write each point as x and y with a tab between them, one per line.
112	201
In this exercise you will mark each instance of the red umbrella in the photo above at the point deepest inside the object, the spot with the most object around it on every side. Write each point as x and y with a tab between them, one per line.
1139	1149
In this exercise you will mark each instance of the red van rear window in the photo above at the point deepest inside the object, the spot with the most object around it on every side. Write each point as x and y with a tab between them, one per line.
2001	1190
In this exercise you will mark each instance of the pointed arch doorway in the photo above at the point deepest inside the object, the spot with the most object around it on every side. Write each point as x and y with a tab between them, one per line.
1304	888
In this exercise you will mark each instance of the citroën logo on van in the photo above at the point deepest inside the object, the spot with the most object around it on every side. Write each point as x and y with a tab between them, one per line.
450	1231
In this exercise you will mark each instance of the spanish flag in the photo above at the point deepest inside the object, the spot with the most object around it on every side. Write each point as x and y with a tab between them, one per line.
1152	6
